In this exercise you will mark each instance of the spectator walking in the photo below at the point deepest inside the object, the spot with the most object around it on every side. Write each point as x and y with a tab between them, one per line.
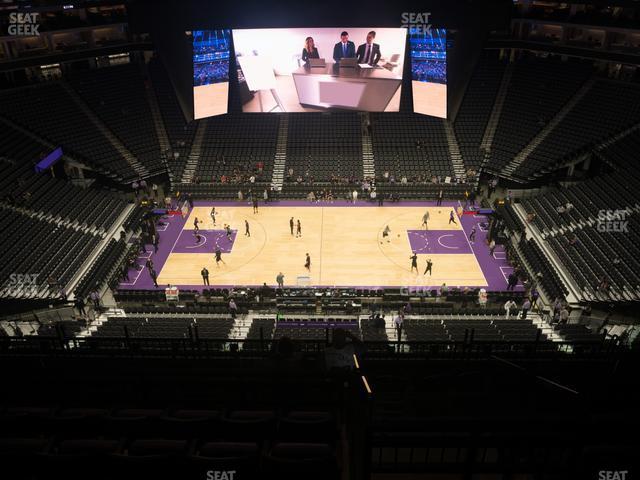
526	306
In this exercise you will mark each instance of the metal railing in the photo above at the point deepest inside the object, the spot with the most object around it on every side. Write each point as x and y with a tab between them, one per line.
198	347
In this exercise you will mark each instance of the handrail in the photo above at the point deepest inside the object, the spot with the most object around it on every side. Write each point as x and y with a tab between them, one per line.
198	346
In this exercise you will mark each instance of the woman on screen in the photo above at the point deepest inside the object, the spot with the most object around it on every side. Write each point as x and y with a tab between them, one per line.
309	50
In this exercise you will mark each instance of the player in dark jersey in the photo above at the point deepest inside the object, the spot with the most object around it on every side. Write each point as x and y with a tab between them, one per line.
429	267
219	257
414	262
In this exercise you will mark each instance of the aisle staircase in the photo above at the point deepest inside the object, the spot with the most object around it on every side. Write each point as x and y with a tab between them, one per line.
280	159
195	152
368	160
492	124
522	156
158	122
454	150
131	159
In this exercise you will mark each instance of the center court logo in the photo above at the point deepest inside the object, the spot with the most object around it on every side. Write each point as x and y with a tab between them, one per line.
416	22
23	24
613	221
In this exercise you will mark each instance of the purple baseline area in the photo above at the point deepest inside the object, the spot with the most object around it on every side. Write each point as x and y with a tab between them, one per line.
495	270
210	240
140	279
438	241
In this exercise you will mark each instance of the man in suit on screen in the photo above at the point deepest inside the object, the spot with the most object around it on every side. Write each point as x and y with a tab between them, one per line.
369	52
344	48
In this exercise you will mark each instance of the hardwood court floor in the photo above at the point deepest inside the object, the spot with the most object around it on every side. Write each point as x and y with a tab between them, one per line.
345	245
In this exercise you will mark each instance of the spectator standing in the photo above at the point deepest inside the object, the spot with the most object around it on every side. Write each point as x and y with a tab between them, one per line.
205	275
508	306
233	308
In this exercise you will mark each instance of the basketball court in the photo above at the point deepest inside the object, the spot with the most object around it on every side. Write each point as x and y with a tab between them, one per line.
345	243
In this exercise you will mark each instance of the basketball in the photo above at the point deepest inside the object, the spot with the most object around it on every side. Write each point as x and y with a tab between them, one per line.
398	235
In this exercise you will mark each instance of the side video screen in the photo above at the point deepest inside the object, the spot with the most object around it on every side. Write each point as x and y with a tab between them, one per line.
210	72
429	72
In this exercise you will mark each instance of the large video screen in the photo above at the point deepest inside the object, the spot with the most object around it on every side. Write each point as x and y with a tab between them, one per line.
210	72
429	71
320	69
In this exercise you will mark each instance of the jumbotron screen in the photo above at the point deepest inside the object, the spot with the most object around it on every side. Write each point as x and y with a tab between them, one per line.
320	69
429	71
210	72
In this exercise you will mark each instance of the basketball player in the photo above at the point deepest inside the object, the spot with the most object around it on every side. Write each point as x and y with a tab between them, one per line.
425	220
195	224
291	225
198	236
298	229
414	262
219	257
228	229
472	235
247	233
213	215
429	267
452	217
385	233
255	205
307	263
